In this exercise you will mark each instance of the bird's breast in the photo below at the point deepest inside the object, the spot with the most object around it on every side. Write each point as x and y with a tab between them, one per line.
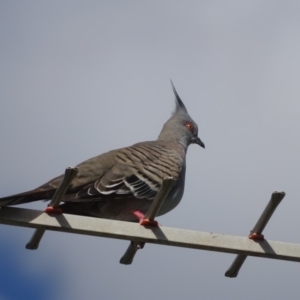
175	195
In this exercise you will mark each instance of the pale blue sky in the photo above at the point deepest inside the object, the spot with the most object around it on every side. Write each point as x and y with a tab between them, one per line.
79	78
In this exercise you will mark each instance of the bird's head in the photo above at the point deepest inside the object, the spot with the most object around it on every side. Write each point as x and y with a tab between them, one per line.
181	126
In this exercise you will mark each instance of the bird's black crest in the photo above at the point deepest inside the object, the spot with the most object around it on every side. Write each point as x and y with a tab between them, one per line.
179	104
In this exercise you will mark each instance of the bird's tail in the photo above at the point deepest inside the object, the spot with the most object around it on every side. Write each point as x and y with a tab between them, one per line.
30	196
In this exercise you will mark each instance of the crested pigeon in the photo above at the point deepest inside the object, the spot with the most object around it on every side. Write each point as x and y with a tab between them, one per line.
121	184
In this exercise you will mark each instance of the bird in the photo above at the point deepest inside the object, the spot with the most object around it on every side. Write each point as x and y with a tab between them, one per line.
121	184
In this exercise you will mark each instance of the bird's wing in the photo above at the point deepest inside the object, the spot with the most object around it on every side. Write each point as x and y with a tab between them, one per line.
133	171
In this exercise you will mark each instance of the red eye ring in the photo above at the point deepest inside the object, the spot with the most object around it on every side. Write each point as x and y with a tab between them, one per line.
189	125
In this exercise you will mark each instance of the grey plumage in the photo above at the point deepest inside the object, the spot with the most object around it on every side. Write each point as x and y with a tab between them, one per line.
115	184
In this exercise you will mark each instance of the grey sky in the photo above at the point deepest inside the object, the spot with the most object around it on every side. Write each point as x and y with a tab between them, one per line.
79	78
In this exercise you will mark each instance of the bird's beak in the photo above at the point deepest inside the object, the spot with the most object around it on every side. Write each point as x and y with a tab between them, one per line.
197	141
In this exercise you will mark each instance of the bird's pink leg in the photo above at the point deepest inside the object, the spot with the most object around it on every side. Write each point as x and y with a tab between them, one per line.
142	219
138	214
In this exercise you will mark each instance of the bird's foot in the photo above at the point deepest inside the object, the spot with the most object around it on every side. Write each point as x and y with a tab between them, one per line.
53	210
146	222
143	221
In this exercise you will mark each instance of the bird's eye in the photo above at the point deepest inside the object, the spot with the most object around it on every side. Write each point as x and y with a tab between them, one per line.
189	126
